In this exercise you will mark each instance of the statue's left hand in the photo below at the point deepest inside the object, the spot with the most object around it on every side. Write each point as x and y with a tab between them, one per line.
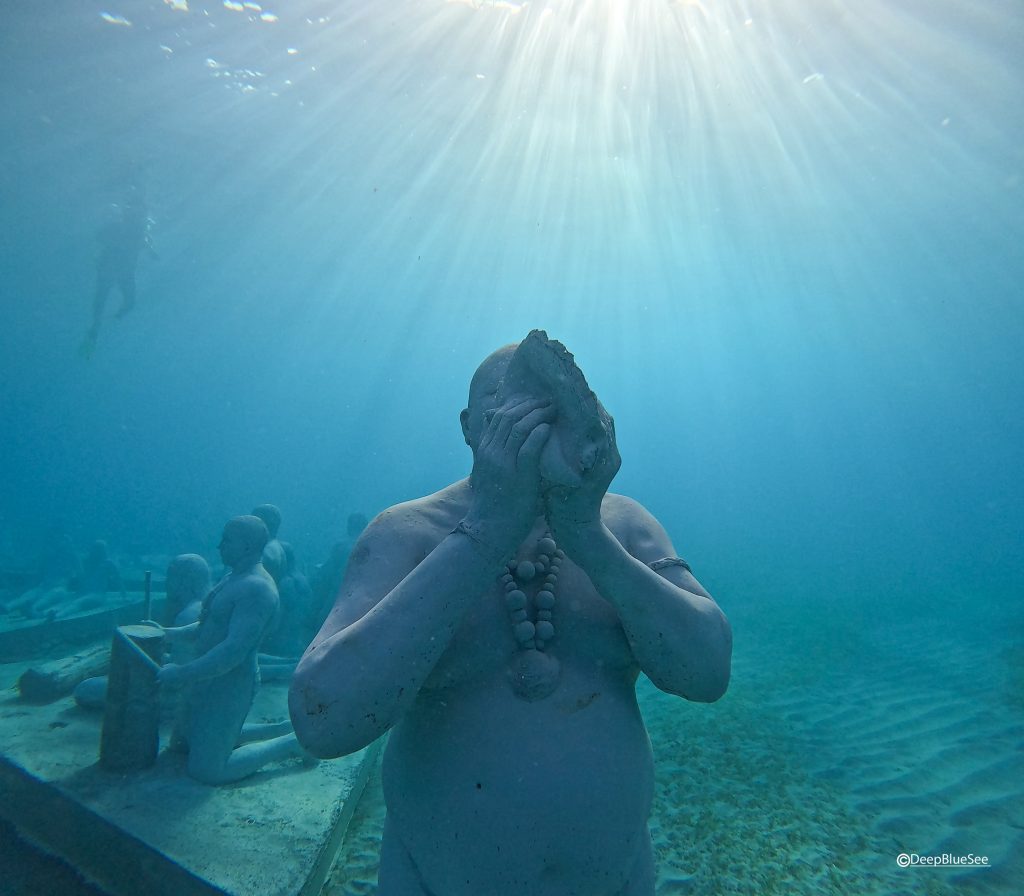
570	511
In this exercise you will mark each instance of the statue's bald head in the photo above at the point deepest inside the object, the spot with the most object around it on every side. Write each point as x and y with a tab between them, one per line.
188	580
488	375
483	391
190	572
251	532
271	517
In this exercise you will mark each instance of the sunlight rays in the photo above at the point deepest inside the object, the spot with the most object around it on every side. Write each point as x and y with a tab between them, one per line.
554	157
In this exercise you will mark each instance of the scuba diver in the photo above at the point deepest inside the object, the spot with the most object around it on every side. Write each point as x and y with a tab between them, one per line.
122	239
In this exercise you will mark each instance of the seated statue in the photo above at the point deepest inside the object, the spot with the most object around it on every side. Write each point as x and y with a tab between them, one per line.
329	574
96	585
219	684
187	583
497	629
273	554
58	566
290	632
100	584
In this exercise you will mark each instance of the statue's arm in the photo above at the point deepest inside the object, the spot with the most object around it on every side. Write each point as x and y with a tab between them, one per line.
408	585
399	605
678	634
174	632
249	617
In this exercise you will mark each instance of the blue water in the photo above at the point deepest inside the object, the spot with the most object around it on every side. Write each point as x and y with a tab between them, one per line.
782	239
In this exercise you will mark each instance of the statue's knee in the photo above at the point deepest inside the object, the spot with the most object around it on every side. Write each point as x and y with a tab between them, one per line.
206	771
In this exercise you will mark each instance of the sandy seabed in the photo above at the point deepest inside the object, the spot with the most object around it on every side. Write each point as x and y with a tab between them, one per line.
851	733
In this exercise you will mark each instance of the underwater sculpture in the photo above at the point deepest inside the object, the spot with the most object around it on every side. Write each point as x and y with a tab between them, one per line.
97	585
290	632
274	561
219	684
497	628
58	566
327	576
187	583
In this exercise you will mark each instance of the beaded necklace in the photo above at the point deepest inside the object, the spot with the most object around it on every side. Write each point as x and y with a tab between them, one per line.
533	673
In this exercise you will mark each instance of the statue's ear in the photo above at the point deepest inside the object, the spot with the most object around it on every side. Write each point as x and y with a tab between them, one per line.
464	420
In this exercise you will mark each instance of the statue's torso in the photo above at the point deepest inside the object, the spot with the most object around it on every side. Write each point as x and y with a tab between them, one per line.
232	596
491	793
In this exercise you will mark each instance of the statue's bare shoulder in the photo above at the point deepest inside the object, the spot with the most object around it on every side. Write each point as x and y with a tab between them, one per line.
412	529
633	525
260	595
640	533
394	543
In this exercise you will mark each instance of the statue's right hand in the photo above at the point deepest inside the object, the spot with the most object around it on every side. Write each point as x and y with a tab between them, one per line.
506	466
170	676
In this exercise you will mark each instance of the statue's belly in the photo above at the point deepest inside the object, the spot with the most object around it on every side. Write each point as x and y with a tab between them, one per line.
491	794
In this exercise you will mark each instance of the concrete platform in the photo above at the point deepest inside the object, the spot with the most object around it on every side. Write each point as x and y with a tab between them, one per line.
22	638
158	831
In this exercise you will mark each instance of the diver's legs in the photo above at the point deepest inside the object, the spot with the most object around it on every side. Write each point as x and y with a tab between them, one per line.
104	284
126	283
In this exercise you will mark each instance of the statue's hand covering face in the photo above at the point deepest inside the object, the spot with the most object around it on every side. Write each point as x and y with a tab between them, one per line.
582	430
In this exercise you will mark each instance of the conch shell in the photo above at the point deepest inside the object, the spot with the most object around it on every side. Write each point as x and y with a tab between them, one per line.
582	429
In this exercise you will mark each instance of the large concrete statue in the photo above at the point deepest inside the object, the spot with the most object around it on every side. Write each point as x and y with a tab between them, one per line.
221	681
497	628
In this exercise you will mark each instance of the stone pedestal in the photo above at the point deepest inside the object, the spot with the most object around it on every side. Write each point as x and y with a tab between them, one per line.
131	724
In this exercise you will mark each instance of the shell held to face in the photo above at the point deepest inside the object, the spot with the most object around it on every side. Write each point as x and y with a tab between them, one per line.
542	367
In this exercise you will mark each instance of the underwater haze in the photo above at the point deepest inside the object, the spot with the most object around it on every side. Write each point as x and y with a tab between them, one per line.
783	239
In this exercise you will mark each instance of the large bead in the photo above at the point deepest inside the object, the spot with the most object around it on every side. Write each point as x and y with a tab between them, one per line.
525	570
545	600
515	600
545	630
546	546
524	631
533	675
